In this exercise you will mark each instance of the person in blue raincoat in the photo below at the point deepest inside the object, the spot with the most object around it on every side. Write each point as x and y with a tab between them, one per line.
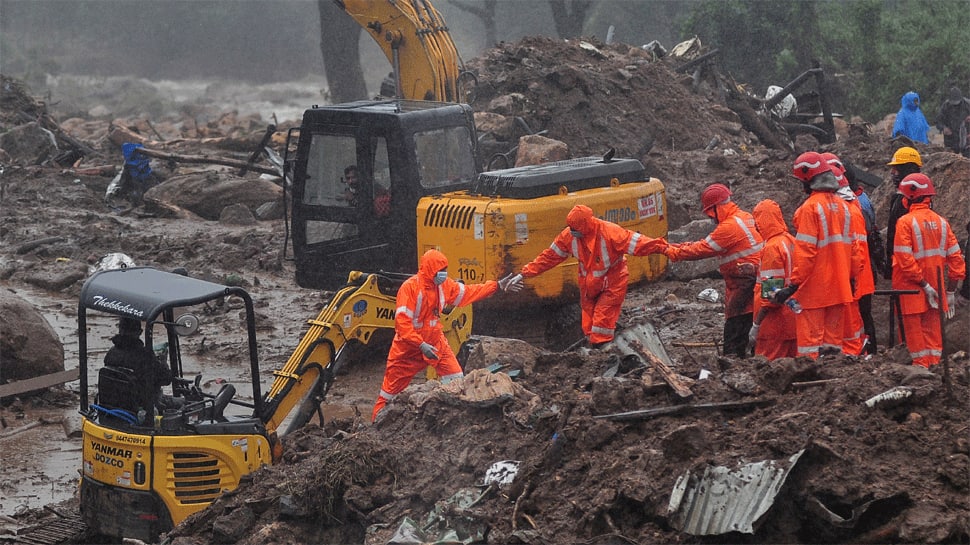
910	121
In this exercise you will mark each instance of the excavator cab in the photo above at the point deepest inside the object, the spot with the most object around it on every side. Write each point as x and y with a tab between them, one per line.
153	456
359	171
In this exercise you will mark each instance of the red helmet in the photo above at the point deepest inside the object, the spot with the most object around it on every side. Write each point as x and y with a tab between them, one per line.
809	165
916	185
837	167
713	195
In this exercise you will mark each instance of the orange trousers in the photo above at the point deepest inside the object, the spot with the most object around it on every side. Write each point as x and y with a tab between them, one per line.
853	330
817	328
923	337
599	315
400	371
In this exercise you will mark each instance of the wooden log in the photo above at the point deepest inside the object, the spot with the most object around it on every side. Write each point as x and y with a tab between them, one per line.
667	373
37	383
205	159
694	344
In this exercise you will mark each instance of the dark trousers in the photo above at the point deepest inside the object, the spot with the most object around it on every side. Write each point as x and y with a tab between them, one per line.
736	329
868	324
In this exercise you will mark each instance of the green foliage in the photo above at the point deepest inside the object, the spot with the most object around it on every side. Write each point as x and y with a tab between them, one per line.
874	50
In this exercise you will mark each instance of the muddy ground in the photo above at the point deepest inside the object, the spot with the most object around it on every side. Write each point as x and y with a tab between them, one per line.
895	473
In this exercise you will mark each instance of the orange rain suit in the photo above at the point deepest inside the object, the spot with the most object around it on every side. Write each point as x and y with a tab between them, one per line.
603	274
853	329
776	334
923	244
419	304
737	245
823	265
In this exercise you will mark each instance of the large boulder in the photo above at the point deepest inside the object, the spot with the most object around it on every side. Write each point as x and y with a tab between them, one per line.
29	346
208	193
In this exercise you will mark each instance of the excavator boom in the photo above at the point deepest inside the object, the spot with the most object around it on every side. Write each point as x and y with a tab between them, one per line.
416	42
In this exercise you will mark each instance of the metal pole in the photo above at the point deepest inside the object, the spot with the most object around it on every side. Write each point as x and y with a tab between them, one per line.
943	354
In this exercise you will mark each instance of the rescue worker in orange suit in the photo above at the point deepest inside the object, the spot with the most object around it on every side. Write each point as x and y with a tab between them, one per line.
825	260
854	335
737	244
924	243
600	247
905	161
419	341
773	331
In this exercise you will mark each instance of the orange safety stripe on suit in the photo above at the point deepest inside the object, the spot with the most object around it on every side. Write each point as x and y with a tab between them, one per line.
924	243
602	272
737	244
419	305
776	334
825	257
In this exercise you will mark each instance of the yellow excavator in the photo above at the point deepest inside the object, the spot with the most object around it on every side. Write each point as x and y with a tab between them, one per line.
418	182
149	459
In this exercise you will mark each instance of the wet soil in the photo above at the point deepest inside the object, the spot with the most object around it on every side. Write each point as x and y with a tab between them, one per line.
896	473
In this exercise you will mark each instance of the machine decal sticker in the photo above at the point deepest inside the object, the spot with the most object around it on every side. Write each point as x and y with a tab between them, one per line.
647	206
521	228
620	215
359	308
479	226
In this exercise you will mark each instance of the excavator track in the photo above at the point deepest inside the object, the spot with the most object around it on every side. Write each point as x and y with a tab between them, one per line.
67	528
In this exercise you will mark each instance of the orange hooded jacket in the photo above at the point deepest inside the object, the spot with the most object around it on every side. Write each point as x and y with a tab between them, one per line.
737	244
601	251
778	324
923	244
826	258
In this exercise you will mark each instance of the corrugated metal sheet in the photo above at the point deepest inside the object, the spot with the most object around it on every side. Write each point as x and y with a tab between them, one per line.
724	500
647	336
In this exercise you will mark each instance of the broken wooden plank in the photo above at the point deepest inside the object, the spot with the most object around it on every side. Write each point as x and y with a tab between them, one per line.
644	414
37	383
810	383
666	372
694	344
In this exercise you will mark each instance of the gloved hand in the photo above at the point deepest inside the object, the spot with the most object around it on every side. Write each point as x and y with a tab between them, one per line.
512	283
951	304
783	294
753	335
932	297
429	351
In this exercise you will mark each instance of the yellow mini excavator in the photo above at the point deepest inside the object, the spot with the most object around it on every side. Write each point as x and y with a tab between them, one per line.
149	462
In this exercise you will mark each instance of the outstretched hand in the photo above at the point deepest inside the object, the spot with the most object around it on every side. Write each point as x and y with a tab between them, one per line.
511	283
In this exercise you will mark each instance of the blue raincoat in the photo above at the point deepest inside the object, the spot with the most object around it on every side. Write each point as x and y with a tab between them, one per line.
910	121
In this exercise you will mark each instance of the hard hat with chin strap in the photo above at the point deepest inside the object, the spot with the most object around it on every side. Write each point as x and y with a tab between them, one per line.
916	185
714	195
809	165
905	155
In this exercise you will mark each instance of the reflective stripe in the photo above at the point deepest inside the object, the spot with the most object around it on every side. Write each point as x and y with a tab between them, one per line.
809	349
844	237
920	245
386	395
924	353
461	295
405	311
855	335
772	273
633	243
714	246
417	306
558	250
606	260
902	250
952	249
601	330
582	269
754	245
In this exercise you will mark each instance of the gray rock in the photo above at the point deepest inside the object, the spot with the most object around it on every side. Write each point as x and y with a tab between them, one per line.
29	346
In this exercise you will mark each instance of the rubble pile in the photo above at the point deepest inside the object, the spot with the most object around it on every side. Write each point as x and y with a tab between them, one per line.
597	448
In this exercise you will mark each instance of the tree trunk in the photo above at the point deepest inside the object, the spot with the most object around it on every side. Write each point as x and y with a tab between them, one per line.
569	19
339	45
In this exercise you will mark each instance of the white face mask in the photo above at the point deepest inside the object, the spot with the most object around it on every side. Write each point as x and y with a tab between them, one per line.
575	233
440	277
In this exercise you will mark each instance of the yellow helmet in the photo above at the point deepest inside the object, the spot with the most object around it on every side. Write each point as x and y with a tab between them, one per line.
906	155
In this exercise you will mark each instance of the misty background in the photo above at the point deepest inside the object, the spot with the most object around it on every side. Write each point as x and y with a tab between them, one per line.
68	51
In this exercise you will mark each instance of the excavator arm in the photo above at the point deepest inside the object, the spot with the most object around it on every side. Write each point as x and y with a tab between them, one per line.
415	40
356	311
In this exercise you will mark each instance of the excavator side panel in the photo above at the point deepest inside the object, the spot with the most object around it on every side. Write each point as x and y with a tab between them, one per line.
488	237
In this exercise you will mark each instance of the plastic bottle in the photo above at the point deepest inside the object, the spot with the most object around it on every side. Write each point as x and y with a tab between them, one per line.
794	305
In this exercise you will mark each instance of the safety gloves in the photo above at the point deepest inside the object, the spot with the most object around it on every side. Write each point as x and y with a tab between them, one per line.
783	294
753	335
932	296
951	304
512	282
429	351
